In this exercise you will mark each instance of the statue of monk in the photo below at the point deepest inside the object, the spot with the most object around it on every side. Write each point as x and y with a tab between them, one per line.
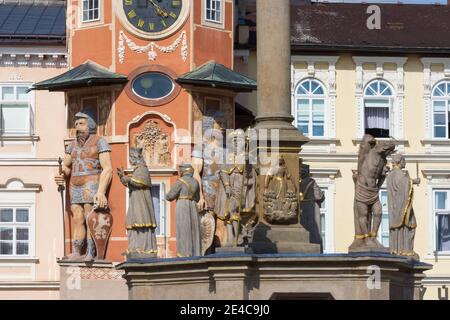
186	191
402	221
368	180
140	221
88	164
311	197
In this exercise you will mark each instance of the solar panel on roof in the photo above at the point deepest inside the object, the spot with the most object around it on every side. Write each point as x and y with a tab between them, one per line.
47	21
5	10
59	27
32	18
14	19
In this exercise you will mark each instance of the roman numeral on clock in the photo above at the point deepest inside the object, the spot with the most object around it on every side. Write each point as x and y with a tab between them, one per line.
132	14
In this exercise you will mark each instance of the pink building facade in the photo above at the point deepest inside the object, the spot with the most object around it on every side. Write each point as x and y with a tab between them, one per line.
32	49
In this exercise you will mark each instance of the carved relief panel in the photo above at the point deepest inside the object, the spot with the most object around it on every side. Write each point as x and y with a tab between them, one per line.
154	135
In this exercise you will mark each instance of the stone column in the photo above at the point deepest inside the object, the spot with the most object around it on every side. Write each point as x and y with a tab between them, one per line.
274	118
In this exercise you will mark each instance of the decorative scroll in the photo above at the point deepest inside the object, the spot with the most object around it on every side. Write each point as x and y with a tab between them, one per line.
152	46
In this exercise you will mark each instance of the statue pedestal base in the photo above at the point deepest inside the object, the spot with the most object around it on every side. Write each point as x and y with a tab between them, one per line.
225	250
91	281
276	276
282	239
369	246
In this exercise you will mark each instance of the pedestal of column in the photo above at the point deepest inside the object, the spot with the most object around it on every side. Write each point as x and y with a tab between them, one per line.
278	139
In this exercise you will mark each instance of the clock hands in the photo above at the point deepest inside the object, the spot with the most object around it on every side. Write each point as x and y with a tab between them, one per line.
159	10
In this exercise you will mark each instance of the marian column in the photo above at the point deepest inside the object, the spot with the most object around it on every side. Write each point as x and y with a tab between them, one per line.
279	228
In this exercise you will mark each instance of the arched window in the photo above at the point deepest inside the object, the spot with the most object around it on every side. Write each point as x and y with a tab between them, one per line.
440	99
378	98
310	105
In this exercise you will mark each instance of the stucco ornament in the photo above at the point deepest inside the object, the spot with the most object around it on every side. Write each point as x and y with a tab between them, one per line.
152	47
156	145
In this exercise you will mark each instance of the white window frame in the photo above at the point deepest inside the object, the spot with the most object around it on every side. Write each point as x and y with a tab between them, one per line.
446	100
310	97
83	9
218	8
396	78
326	180
163	218
14	225
325	212
385	214
434	217
164	206
390	100
21	198
31	120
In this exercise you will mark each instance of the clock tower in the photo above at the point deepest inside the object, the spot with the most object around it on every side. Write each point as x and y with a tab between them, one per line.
160	50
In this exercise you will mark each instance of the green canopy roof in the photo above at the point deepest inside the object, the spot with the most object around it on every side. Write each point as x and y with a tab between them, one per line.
88	74
213	74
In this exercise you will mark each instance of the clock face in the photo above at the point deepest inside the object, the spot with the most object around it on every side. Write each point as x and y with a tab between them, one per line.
152	16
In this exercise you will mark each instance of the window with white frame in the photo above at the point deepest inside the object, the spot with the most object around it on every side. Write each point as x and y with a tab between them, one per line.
159	196
441	214
91	10
16	112
311	108
323	219
440	102
15	231
213	11
383	232
378	100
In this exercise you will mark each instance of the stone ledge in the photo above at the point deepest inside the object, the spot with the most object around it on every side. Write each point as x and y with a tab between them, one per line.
260	277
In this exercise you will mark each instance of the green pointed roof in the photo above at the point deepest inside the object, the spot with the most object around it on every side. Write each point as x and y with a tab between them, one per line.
88	74
216	75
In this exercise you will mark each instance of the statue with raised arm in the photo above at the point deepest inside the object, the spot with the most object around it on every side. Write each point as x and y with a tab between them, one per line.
402	221
186	191
311	198
88	164
368	179
141	221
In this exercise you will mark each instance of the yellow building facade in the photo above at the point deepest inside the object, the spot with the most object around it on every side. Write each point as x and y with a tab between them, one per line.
337	97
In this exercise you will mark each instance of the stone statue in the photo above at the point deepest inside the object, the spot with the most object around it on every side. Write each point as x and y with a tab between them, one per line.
237	191
88	163
187	193
368	180
311	197
402	222
207	161
140	221
280	198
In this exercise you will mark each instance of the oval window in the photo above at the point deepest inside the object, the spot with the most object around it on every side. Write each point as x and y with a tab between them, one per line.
152	85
